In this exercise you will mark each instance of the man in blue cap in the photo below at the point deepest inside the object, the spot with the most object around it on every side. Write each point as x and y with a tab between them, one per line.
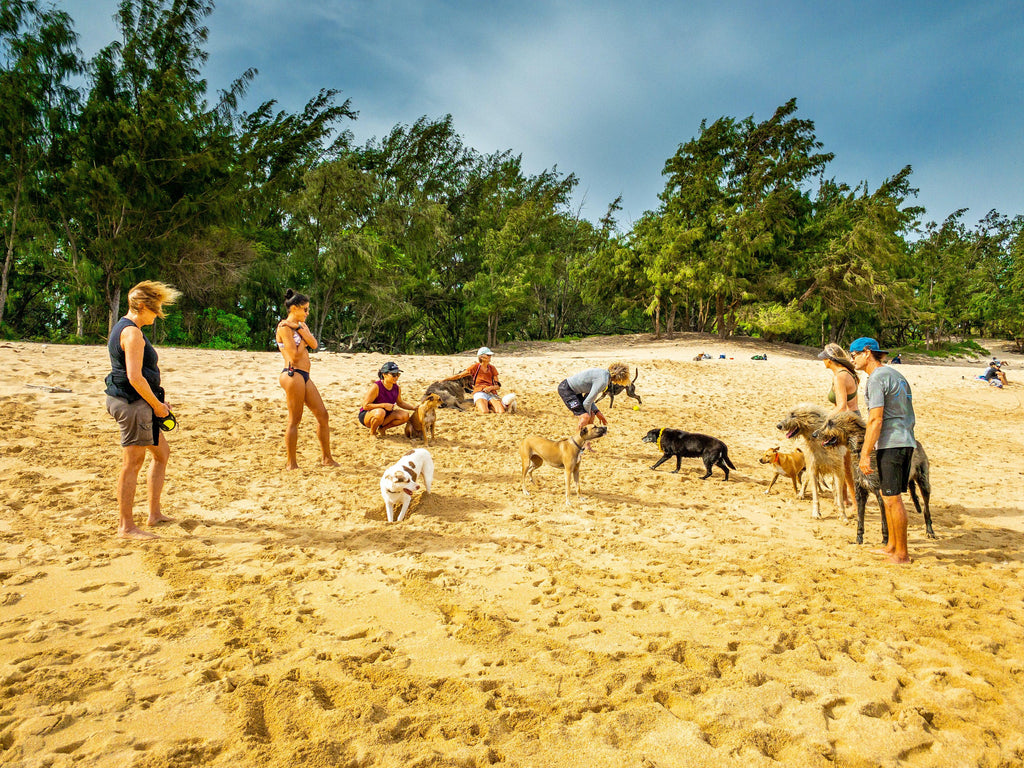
890	432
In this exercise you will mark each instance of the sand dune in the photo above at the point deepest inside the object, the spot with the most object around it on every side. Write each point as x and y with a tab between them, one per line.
662	621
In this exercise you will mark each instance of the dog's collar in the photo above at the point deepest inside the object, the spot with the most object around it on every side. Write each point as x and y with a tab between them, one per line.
662	432
775	458
578	445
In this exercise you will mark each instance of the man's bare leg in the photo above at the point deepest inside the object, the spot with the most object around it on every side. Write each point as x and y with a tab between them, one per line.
896	518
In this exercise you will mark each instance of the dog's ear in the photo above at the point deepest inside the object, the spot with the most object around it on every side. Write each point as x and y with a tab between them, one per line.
776	448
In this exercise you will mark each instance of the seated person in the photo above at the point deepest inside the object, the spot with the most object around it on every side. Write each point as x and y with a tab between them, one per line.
383	402
994	374
485	382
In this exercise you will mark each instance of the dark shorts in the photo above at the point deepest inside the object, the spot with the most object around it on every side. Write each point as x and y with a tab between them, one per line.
138	427
362	417
572	400
894	470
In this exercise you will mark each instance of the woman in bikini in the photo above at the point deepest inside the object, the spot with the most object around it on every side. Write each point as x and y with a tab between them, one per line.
383	402
843	394
293	338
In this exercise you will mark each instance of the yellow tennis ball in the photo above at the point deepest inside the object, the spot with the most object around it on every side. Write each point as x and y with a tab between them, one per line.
636	407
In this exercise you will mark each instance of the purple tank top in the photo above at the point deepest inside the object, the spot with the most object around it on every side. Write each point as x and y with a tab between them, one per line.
385	395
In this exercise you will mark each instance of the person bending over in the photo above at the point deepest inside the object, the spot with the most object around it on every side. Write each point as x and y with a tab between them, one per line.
580	391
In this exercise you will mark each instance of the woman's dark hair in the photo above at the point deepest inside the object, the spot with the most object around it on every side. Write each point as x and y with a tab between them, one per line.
293	299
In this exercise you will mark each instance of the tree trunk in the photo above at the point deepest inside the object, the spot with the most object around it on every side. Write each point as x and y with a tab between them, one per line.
115	307
723	332
9	255
79	321
670	321
657	320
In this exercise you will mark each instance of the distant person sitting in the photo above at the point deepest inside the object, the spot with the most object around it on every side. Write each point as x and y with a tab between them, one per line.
486	397
896	360
994	374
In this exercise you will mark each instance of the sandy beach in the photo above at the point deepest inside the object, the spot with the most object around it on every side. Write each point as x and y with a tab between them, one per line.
661	621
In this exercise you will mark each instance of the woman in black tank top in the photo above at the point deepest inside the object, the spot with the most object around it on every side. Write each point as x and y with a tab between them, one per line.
136	400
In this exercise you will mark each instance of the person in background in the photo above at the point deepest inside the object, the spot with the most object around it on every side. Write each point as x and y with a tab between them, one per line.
485	382
580	391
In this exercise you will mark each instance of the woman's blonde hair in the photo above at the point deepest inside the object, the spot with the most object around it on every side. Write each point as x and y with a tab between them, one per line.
840	356
619	372
152	295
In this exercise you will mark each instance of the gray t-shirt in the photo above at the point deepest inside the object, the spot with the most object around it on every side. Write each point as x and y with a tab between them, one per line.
886	388
590	384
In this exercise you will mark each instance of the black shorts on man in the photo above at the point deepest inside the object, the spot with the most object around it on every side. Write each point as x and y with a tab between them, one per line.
573	401
894	469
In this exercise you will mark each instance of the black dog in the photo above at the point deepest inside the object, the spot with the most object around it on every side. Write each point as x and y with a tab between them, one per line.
452	393
617	389
676	442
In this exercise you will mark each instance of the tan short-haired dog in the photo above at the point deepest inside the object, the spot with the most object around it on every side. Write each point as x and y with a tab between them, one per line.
566	453
423	418
789	465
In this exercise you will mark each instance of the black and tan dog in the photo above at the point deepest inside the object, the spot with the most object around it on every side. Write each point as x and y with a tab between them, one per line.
676	442
566	453
847	428
451	391
617	389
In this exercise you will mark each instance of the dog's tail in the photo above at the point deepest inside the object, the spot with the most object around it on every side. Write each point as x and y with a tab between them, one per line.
727	460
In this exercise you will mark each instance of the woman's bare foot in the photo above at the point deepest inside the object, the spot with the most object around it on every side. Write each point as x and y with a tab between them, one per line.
330	463
292	466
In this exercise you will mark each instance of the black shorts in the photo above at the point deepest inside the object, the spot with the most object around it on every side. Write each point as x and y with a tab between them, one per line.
894	469
573	401
362	416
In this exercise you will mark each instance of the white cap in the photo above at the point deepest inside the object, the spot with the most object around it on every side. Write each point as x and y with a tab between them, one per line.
483	351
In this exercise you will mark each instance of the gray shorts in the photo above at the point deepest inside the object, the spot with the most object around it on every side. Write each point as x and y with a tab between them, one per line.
135	420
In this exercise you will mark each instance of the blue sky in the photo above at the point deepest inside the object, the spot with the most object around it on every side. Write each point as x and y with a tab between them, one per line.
608	90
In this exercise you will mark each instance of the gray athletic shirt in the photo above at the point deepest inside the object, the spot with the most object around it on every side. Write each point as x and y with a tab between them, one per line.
589	383
886	388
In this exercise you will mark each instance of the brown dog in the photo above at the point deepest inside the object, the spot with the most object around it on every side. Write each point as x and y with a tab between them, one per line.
789	465
562	453
422	419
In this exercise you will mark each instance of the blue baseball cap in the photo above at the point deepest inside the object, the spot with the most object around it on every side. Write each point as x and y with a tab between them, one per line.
865	342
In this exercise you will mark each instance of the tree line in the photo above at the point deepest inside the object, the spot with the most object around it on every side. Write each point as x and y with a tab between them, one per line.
125	167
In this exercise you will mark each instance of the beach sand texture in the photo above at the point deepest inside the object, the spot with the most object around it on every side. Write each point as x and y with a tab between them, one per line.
661	621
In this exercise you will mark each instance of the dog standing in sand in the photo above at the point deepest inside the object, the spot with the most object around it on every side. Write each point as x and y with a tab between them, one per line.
566	453
789	465
400	480
802	421
846	428
422	420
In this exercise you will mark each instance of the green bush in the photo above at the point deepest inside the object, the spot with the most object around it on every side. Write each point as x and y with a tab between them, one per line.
223	330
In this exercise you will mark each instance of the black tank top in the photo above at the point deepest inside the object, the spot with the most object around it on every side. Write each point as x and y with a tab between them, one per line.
117	380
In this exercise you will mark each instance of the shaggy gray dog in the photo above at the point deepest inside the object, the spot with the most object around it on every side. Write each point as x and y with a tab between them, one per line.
802	421
848	429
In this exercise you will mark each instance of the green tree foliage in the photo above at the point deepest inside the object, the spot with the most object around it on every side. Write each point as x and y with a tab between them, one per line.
415	241
38	56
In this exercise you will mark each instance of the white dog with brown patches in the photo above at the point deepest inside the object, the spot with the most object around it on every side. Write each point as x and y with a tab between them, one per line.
402	478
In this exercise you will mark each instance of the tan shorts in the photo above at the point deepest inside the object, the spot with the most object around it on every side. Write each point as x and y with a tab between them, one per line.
135	420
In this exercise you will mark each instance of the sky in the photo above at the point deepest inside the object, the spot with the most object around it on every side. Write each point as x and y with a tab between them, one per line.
608	90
